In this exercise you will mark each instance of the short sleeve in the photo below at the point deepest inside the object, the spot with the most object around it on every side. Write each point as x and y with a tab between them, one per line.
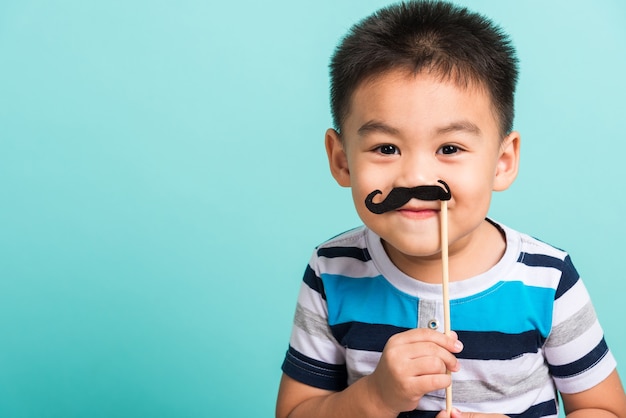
577	353
314	357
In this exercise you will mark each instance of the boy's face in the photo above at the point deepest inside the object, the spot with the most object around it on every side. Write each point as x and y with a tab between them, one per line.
406	130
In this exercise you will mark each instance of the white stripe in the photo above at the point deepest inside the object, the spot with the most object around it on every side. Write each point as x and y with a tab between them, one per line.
590	378
547	277
312	300
511	405
576	348
351	238
317	348
346	266
531	245
569	303
508	378
361	363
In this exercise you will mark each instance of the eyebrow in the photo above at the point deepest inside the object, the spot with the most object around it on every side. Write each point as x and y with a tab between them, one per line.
460	126
374	126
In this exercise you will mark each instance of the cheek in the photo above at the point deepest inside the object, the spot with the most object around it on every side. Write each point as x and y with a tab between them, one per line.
362	186
475	178
472	190
367	217
359	193
365	182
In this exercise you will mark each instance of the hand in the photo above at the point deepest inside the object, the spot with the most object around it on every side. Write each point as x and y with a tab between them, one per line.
455	413
412	364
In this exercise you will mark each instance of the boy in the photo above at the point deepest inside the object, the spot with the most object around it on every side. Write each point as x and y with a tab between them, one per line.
422	92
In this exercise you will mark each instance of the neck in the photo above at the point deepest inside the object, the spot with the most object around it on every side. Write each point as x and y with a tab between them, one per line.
468	257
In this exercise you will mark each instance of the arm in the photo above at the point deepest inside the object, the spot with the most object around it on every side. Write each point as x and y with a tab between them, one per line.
412	364
296	399
607	399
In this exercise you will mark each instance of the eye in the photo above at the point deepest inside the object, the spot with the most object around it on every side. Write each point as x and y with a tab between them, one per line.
388	149
448	149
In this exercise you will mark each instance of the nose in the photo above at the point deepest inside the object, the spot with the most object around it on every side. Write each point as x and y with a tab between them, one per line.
417	169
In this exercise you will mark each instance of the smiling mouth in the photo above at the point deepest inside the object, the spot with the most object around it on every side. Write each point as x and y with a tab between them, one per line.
418	213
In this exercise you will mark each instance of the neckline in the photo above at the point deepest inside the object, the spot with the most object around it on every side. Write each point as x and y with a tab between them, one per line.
458	289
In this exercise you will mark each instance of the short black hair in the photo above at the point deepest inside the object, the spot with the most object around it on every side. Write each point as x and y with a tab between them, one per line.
450	41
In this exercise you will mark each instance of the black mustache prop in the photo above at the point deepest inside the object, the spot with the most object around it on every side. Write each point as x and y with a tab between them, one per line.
400	196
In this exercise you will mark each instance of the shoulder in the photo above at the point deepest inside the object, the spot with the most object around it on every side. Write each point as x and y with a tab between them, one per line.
540	260
352	237
350	244
533	251
529	245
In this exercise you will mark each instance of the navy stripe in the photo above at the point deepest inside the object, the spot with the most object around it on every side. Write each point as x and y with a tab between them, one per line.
581	365
498	345
314	372
540	260
569	275
569	278
544	409
366	337
351	252
314	282
418	414
477	345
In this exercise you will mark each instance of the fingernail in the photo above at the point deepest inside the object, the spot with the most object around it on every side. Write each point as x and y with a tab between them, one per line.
458	345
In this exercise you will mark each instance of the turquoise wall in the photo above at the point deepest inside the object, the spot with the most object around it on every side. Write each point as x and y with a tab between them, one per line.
163	182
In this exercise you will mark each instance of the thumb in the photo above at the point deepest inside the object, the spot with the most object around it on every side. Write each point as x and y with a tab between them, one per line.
455	413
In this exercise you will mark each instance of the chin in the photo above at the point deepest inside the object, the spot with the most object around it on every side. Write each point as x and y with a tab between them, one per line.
413	251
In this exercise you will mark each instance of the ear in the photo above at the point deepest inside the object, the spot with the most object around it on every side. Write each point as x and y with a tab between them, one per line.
337	158
508	162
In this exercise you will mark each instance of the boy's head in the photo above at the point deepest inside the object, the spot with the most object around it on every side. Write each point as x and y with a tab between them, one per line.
450	42
423	92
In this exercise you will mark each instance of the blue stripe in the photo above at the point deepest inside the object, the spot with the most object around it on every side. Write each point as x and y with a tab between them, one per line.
313	281
366	337
498	346
314	372
581	365
351	252
508	307
370	300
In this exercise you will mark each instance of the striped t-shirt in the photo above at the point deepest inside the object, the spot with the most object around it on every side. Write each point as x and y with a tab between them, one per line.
527	325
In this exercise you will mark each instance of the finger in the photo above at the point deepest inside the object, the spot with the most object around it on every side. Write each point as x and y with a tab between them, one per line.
449	342
425	358
404	363
455	413
426	366
430	383
443	414
430	350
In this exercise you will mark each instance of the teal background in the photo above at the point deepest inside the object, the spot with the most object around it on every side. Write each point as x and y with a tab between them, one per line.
163	182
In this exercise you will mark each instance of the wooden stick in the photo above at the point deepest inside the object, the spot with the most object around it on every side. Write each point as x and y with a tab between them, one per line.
444	282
